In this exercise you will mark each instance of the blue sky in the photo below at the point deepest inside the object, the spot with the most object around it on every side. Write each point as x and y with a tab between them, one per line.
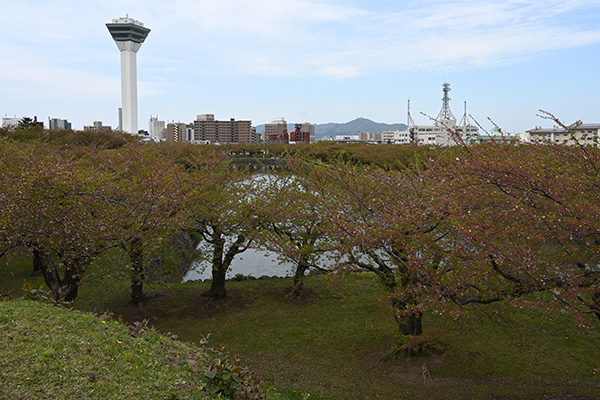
313	61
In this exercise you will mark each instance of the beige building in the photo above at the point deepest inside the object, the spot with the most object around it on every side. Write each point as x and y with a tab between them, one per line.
176	132
208	130
276	131
364	136
97	126
310	129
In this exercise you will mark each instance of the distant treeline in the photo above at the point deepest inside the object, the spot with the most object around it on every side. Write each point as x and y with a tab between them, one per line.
384	156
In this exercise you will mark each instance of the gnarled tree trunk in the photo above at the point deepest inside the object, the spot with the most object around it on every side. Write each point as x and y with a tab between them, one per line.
65	289
409	324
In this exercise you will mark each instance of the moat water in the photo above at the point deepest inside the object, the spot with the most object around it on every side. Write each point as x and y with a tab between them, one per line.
252	262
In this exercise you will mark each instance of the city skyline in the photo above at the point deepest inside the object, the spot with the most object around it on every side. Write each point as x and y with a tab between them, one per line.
316	61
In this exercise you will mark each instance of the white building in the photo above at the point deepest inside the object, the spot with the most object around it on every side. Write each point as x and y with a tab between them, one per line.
10	122
395	137
346	138
585	134
157	129
437	134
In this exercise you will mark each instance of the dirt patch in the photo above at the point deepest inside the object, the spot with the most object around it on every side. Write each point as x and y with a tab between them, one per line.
406	370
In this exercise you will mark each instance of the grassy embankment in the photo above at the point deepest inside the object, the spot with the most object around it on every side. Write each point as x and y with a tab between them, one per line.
55	353
335	341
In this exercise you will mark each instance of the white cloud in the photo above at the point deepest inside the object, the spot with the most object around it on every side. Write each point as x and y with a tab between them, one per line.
334	39
316	38
270	17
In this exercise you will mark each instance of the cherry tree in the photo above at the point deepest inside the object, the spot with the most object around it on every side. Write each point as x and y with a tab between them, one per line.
61	214
145	181
291	221
220	204
394	224
530	214
69	206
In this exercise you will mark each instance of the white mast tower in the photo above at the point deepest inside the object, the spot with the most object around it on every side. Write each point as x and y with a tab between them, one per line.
129	35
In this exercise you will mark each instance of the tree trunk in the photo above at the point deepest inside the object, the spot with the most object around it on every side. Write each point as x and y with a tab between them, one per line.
298	284
217	288
411	324
70	285
64	290
408	325
221	263
136	257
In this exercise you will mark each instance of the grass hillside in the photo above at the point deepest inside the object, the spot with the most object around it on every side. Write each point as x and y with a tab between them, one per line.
333	343
49	352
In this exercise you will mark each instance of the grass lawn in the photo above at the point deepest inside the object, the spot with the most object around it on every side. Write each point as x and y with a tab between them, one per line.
335	341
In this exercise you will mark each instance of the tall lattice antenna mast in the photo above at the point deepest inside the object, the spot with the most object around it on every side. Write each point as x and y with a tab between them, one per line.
409	120
445	112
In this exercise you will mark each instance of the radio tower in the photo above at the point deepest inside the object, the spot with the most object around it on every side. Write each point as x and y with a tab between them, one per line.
129	35
445	113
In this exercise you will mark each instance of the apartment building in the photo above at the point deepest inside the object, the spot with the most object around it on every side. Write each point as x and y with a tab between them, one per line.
585	134
176	132
209	130
58	124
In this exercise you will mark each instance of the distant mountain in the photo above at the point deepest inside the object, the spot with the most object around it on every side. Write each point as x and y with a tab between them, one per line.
354	127
348	128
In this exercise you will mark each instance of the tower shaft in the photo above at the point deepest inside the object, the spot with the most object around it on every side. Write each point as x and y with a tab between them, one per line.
129	91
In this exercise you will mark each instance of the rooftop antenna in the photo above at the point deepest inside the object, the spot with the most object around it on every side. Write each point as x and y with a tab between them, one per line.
465	119
409	119
445	113
412	127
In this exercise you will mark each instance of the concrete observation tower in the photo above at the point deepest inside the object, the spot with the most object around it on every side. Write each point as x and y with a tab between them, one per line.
129	35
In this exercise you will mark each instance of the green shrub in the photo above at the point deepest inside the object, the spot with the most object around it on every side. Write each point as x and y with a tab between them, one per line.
226	376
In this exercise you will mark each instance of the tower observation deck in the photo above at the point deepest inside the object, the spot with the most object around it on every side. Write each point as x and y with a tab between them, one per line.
129	35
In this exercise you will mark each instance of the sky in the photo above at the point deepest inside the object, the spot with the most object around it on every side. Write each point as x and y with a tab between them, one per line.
315	61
